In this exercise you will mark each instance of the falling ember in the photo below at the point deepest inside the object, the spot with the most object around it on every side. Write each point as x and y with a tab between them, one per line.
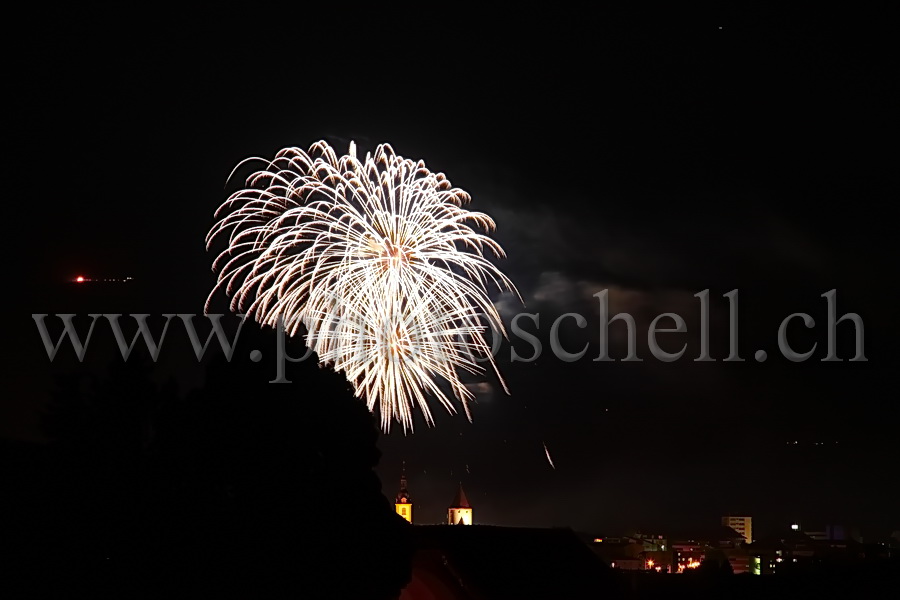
547	452
377	260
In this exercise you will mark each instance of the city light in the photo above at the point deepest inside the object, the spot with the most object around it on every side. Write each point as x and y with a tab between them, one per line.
83	279
690	564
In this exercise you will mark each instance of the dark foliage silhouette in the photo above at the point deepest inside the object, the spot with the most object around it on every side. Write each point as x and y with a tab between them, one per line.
241	488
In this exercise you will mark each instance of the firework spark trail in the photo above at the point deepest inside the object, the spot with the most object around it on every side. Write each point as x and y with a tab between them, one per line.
377	261
547	452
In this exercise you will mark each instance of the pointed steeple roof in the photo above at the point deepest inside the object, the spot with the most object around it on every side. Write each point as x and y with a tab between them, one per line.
403	494
460	501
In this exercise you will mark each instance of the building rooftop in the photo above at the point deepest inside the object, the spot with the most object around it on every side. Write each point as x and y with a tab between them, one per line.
482	561
460	501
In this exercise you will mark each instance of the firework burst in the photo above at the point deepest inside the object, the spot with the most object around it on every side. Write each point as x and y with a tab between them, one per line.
379	263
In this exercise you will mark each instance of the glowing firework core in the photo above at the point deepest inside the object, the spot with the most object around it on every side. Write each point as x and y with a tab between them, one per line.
376	260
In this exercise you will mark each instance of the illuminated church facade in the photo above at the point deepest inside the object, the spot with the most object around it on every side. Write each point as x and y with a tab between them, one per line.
459	512
403	501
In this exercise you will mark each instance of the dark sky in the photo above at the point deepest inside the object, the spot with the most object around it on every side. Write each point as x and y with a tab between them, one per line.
751	153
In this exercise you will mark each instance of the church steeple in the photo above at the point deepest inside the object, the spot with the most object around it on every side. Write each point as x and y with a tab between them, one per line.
460	512
461	501
403	501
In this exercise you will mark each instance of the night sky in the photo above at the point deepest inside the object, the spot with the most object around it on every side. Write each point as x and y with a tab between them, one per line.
734	153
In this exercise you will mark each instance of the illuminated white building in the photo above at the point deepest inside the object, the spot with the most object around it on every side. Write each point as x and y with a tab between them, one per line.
743	525
460	512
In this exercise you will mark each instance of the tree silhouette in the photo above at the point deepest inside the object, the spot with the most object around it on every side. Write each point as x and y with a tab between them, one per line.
725	568
242	488
271	486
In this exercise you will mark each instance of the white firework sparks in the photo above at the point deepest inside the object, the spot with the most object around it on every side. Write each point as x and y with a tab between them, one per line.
377	260
547	452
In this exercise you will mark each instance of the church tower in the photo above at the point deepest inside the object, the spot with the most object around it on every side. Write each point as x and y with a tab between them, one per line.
403	503
460	512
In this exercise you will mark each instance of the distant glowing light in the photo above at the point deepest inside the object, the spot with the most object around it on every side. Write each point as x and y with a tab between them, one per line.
79	279
690	564
795	527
